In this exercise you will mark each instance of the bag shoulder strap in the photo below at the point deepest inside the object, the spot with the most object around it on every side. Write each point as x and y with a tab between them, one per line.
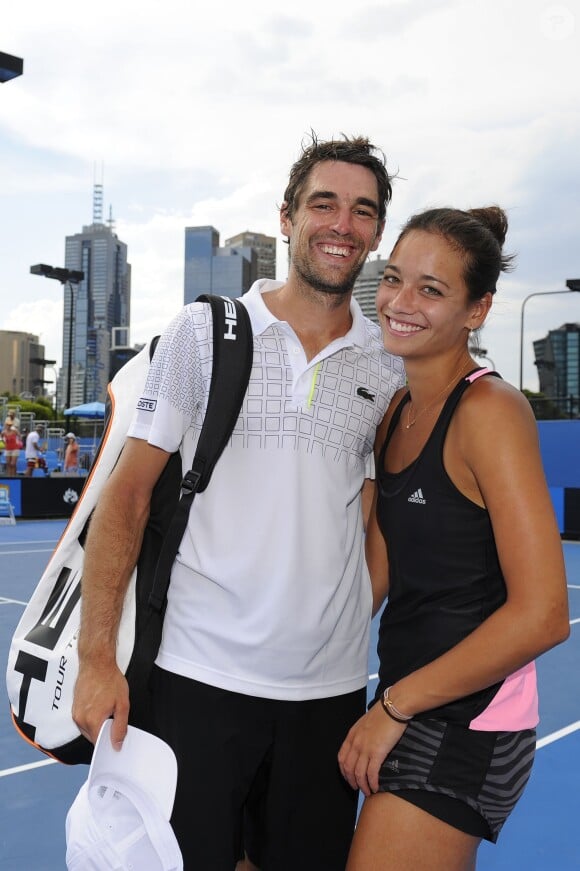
152	346
232	363
233	352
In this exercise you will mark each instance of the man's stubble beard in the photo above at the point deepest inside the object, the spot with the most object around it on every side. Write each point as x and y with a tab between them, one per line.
316	281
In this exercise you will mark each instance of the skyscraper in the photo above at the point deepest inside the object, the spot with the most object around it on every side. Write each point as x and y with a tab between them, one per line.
93	307
557	357
265	248
228	271
20	371
367	284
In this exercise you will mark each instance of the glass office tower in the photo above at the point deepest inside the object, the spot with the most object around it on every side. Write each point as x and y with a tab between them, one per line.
557	358
93	308
228	271
264	246
367	284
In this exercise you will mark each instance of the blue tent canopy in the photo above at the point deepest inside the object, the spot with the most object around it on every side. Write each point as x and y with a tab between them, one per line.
87	409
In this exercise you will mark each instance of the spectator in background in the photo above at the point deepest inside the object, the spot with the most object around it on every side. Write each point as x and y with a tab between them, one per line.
12	444
71	454
34	451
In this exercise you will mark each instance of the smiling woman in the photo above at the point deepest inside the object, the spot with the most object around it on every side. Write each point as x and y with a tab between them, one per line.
464	542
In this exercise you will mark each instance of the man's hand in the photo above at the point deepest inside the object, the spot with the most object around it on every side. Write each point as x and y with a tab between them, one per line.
101	692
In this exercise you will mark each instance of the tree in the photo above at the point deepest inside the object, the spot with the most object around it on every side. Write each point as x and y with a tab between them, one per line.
543	408
41	406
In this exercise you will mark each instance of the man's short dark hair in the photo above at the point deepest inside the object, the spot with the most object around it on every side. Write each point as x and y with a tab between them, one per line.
356	149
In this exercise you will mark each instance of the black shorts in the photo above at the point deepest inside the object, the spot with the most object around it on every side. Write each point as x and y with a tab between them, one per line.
283	754
467	778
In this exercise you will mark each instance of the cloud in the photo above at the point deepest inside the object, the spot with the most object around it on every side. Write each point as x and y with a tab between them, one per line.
197	112
42	318
393	18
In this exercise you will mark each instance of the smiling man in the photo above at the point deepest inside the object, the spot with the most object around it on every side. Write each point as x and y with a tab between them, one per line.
262	668
332	227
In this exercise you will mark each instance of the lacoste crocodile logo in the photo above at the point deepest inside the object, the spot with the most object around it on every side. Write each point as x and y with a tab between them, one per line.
366	394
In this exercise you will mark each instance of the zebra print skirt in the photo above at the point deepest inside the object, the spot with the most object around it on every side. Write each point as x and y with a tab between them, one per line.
487	771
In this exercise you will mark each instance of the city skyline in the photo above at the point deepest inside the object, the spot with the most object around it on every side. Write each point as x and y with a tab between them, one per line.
189	123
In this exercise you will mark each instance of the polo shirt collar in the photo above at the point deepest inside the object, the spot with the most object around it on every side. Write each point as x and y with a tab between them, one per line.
262	318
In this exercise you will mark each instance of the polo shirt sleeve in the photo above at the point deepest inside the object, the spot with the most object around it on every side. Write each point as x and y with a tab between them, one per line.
175	387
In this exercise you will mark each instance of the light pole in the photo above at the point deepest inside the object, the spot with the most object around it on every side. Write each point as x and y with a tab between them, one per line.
572	285
70	277
40	361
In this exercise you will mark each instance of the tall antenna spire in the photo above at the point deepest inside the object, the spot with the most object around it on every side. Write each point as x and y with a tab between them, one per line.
98	196
111	220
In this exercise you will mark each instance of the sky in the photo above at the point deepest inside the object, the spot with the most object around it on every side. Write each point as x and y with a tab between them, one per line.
192	114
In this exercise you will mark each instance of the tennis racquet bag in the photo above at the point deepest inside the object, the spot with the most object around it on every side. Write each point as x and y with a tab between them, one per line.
43	659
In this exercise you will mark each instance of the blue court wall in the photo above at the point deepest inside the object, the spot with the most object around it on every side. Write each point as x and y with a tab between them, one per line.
559	444
44	497
560	448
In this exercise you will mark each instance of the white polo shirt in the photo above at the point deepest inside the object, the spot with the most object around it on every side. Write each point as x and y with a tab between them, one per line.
269	594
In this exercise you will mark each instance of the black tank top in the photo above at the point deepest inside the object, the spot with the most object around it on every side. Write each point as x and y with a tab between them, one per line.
444	572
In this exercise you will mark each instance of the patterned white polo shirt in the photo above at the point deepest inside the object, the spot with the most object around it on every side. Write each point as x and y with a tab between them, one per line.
270	594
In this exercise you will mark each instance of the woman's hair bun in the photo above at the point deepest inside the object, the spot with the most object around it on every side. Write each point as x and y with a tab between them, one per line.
495	219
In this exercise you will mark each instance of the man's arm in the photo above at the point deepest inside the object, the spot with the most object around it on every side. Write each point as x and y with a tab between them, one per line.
111	551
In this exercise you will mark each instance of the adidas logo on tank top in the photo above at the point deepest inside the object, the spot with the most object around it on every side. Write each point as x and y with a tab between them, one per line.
417	497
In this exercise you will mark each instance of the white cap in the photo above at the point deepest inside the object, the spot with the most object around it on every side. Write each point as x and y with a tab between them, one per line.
119	820
70	435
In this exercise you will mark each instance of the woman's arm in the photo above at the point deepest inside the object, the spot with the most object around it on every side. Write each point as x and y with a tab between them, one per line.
376	557
375	546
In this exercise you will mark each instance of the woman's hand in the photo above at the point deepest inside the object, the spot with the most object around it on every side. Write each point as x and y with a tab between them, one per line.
366	747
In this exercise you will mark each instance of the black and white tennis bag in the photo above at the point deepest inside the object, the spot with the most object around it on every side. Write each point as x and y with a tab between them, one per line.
43	658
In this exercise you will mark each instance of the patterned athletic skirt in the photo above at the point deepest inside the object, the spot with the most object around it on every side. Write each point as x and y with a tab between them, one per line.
469	779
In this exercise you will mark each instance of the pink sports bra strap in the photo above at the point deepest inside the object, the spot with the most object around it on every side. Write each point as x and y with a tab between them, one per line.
475	375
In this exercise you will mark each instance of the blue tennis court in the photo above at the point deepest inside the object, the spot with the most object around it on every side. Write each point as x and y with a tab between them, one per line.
35	793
